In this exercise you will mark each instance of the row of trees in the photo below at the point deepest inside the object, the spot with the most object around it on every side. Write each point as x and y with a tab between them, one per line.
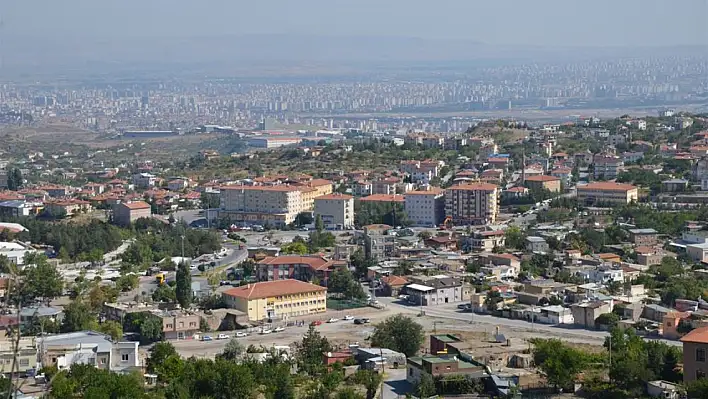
73	241
156	241
374	212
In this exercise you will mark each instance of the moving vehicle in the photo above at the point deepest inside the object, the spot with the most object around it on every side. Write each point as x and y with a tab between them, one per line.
279	329
333	320
316	323
160	278
206	338
266	331
363	320
223	336
241	334
348	317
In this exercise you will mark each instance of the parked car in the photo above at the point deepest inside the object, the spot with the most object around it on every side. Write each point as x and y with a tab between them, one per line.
361	321
266	331
333	320
316	323
223	336
348	317
462	306
206	338
241	334
279	329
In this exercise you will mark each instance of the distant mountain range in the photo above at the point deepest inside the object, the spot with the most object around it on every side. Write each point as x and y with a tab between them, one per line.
48	54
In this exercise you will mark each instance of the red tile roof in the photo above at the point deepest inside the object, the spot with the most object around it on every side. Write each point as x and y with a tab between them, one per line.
268	289
334	196
384	198
137	205
474	187
698	336
607	186
542	178
394	280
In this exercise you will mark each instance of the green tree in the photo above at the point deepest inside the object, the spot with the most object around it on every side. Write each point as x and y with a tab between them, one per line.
370	379
514	238
164	293
112	329
298	248
233	350
425	387
559	363
14	179
87	381
41	280
150	329
319	224
697	389
310	350
183	289
399	333
158	354
78	316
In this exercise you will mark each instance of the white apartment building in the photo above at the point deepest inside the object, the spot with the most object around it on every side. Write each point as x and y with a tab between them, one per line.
425	208
472	204
607	167
144	180
336	210
3	178
275	205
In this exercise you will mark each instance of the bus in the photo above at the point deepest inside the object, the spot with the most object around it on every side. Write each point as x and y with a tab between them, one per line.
160	278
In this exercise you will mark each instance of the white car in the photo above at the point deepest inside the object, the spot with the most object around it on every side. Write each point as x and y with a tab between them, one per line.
241	334
348	317
333	320
222	336
279	329
266	331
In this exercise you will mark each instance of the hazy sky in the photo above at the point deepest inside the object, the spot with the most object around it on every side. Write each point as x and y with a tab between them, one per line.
520	22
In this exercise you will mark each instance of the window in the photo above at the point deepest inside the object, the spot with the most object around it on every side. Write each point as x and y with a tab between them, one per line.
169	326
124	357
700	355
24	362
700	374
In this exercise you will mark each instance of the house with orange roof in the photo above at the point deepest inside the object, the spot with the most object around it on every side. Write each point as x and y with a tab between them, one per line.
393	198
277	300
299	267
607	193
67	207
695	354
126	213
392	285
543	182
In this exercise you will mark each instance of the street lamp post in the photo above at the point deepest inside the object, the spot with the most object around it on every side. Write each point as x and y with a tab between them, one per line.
182	247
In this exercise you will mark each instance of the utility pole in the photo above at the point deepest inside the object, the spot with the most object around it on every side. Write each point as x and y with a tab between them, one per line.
182	247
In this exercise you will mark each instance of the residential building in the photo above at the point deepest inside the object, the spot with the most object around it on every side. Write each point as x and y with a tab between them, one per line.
603	275
336	211
436	290
444	365
126	213
88	347
663	389
564	174
585	314
17	208
67	207
425	207
276	205
543	182
695	354
378	244
472	204
179	325
25	357
298	267
643	236
674	185
362	188
3	179
312	189
536	244
16	251
697	252
281	299
177	184
485	240
144	180
606	167
606	193
393	285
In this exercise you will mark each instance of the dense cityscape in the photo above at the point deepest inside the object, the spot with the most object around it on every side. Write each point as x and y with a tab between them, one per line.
254	214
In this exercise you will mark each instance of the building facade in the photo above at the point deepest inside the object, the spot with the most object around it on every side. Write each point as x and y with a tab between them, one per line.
543	182
425	208
126	213
282	299
607	193
277	205
472	204
336	211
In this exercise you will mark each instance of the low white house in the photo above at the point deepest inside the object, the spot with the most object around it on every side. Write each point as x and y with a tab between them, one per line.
16	251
